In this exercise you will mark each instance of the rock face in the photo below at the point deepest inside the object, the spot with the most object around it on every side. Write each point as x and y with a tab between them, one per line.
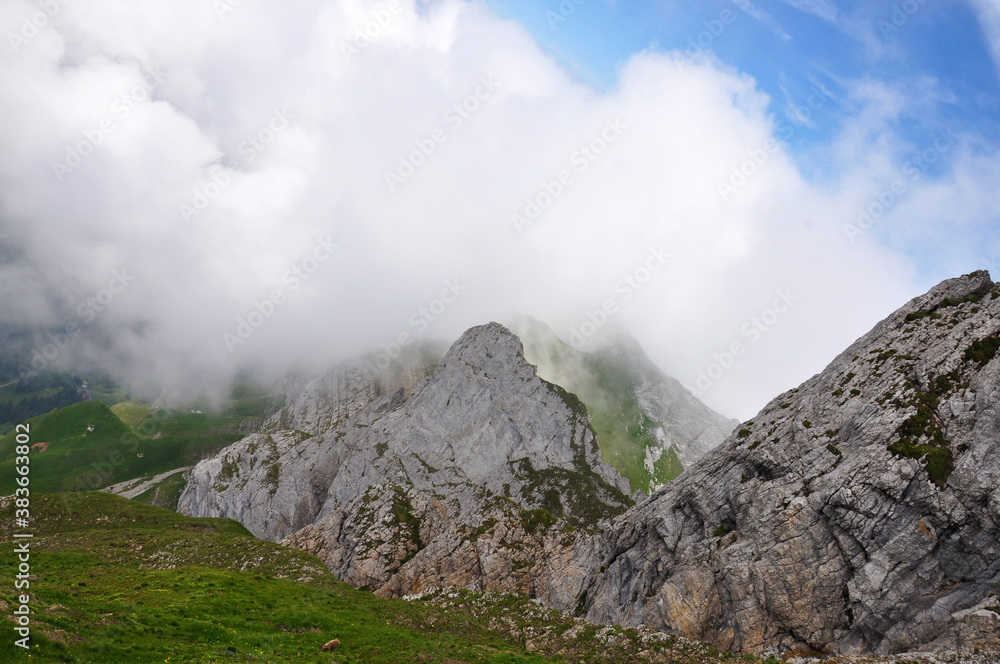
857	513
454	485
683	422
316	404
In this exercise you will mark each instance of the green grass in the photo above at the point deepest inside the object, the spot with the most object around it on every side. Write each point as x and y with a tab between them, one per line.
73	452
116	581
606	384
104	591
131	413
80	460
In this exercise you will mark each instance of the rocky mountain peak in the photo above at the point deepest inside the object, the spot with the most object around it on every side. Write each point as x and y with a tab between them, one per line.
859	512
490	348
974	285
398	492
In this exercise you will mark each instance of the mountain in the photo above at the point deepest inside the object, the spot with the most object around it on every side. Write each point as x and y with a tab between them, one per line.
116	581
857	513
125	582
648	425
318	403
454	484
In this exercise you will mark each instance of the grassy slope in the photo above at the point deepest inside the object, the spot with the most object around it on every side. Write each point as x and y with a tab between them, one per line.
607	386
131	413
77	459
624	432
101	389
72	450
105	592
117	581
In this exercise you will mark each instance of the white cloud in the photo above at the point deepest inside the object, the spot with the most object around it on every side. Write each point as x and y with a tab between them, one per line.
686	128
764	18
989	18
825	9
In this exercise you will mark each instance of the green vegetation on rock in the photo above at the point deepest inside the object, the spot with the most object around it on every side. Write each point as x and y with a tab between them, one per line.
921	436
603	384
983	350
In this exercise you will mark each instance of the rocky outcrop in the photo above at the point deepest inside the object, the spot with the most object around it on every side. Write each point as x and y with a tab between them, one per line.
454	485
859	512
685	424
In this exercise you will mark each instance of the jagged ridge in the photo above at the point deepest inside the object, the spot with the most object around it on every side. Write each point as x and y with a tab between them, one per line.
414	492
856	513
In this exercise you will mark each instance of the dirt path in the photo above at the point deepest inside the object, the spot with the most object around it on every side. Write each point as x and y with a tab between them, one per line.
129	488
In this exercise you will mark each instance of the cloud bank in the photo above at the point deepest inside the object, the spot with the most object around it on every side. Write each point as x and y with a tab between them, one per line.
188	188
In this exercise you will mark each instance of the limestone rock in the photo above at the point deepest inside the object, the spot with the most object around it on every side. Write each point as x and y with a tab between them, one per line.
454	484
854	514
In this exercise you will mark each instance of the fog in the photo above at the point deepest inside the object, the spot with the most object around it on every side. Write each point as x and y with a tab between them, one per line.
190	188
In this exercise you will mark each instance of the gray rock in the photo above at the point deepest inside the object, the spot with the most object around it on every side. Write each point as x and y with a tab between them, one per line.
405	492
832	521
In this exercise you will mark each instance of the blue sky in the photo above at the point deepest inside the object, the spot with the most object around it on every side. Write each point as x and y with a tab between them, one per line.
937	55
791	51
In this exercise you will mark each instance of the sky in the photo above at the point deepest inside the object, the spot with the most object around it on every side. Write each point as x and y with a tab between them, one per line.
192	188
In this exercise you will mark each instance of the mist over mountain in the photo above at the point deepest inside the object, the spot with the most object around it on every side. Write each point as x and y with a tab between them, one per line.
855	514
187	194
